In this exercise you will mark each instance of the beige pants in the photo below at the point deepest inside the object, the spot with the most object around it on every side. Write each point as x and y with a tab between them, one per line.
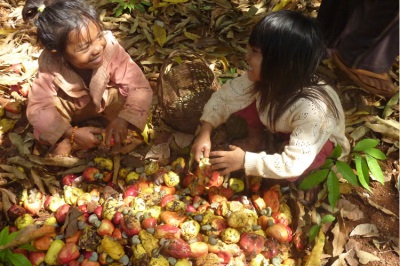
67	108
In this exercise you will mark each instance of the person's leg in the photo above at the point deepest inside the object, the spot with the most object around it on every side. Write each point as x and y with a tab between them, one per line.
370	38
368	45
332	18
255	140
65	105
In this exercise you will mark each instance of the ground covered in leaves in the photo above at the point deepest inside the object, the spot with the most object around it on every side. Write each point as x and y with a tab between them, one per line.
366	228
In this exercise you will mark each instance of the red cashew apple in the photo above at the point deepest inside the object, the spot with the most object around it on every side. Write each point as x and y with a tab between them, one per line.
36	257
130	224
167	231
271	198
106	228
188	179
222	251
150	222
61	213
52	203
33	203
251	244
177	248
218	225
117	218
131	190
280	232
196	189
69	252
91	174
15	211
280	218
270	248
214	179
68	180
173	218
198	249
99	212
117	233
167	198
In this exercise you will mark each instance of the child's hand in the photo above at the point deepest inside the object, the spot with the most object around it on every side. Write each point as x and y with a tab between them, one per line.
227	161
85	137
117	129
202	145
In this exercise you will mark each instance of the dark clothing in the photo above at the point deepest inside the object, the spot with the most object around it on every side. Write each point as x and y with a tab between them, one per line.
364	32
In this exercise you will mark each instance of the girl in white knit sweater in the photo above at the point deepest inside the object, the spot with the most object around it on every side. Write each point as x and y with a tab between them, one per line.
281	92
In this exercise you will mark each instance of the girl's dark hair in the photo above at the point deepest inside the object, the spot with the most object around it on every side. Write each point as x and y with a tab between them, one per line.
55	19
292	46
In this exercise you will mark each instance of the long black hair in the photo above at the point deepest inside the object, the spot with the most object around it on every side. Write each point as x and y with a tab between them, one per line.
55	19
292	46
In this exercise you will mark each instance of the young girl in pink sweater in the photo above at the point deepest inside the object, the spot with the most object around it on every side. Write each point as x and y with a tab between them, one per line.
83	73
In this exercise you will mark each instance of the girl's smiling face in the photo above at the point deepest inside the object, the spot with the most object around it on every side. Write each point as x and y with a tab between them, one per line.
254	58
85	48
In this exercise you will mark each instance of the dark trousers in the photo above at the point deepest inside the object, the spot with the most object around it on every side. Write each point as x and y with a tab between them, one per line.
364	32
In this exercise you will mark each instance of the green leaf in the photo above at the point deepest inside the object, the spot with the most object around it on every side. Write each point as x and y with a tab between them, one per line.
333	189
119	11
28	247
4	254
364	144
327	219
345	170
19	259
12	236
3	236
328	164
314	179
362	171
375	168
140	8
314	232
377	154
337	151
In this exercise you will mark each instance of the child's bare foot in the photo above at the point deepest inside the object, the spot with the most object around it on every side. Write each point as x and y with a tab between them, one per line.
63	148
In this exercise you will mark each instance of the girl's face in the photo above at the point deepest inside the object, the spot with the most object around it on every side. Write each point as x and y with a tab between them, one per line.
85	48
254	58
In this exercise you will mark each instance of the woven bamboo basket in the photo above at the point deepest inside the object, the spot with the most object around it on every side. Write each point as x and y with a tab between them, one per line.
185	84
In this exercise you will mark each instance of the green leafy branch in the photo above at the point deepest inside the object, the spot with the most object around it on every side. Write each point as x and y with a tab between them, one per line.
126	6
316	228
365	156
7	257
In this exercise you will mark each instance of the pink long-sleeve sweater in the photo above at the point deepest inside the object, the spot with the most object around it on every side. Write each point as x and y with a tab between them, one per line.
118	71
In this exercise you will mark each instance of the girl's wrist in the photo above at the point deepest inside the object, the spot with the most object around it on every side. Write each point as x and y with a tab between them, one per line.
72	137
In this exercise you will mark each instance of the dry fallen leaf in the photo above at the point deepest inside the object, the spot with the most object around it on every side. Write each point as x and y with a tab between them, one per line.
366	230
340	236
366	257
349	210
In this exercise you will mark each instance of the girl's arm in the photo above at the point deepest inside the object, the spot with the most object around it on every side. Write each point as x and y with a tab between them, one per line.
49	126
233	96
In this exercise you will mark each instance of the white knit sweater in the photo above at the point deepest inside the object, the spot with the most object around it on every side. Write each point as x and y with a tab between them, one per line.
310	126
